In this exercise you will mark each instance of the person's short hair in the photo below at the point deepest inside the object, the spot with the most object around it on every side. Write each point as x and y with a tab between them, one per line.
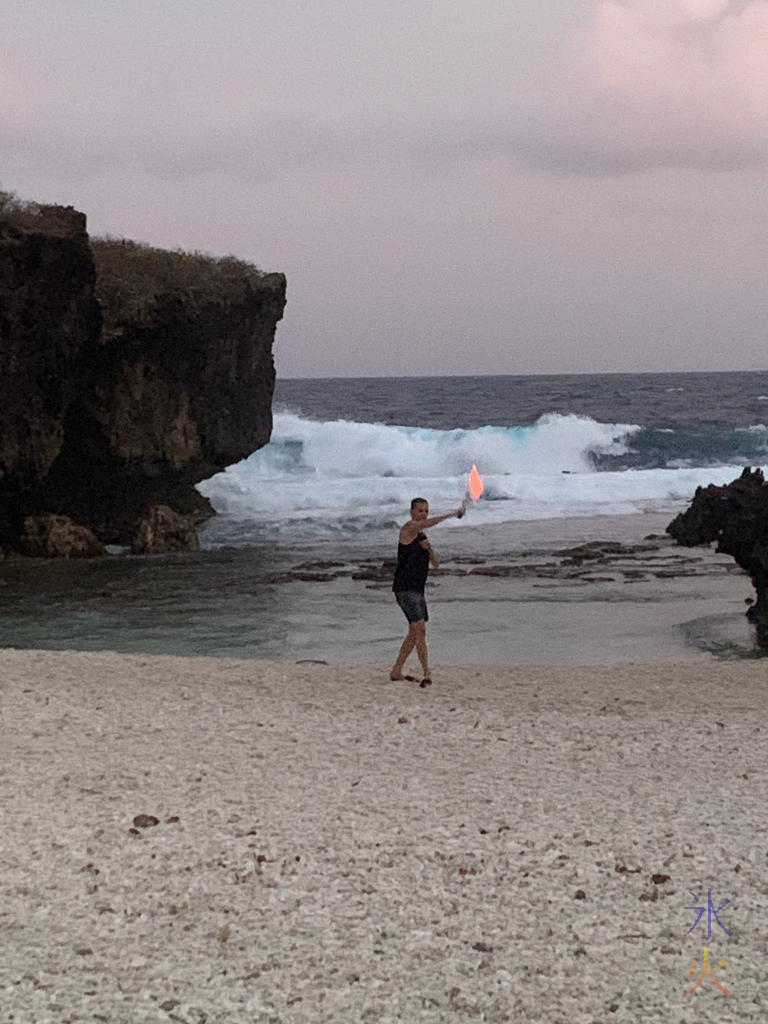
418	501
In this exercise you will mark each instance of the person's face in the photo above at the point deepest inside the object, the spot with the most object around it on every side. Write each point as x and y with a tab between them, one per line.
420	512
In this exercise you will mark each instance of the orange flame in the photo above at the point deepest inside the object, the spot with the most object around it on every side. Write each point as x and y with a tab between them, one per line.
476	485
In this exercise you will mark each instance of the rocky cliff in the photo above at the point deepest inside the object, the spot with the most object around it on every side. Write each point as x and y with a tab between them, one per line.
735	516
127	374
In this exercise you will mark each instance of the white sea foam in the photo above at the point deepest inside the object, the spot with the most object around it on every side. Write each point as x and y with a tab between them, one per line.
320	477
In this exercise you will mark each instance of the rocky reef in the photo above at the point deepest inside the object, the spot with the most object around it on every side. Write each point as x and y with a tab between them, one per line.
735	516
128	374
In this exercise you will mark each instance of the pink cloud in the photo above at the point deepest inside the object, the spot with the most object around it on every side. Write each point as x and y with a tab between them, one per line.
695	67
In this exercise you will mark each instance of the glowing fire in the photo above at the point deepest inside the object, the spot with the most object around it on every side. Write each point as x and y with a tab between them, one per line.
476	485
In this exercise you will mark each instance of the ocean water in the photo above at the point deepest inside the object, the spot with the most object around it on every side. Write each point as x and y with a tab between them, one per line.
288	566
346	456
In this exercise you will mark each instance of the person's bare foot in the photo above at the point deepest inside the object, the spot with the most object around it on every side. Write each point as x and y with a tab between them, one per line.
401	678
425	682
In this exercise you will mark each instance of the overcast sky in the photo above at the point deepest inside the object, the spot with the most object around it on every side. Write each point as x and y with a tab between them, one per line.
450	186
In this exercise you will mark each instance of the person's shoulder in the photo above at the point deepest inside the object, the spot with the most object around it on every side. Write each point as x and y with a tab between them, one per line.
408	532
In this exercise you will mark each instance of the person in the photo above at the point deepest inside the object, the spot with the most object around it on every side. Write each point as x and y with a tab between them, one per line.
415	555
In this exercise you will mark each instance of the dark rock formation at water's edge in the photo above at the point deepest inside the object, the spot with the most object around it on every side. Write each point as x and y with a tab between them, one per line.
127	374
734	515
593	562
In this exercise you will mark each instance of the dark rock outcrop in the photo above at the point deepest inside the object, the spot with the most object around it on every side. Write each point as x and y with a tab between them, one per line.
128	374
49	316
161	529
59	537
734	515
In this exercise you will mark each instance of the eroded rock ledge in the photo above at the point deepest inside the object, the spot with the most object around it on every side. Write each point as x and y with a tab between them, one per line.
128	373
594	562
735	517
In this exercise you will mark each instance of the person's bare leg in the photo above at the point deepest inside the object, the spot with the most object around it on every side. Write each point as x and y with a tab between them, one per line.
405	649
420	629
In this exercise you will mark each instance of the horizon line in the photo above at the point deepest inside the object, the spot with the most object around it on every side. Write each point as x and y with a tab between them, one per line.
571	373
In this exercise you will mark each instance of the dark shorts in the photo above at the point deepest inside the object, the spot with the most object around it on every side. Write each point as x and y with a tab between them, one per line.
413	604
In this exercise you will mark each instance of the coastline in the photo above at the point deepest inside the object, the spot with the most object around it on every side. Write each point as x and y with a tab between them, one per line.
333	847
503	595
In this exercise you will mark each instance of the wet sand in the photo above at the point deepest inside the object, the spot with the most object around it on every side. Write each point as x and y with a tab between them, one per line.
513	844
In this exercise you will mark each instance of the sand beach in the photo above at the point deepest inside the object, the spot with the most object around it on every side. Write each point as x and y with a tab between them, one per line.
221	841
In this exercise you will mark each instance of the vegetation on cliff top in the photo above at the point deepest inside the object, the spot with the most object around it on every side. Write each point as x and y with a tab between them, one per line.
132	279
24	217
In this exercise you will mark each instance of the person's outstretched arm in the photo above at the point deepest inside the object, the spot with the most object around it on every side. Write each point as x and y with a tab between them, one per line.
412	528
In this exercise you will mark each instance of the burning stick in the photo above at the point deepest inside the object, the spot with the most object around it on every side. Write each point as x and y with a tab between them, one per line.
475	488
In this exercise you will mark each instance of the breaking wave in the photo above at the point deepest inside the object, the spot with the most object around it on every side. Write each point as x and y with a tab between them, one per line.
339	477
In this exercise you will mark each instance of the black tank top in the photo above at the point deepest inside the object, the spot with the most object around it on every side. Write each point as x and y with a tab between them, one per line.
412	566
